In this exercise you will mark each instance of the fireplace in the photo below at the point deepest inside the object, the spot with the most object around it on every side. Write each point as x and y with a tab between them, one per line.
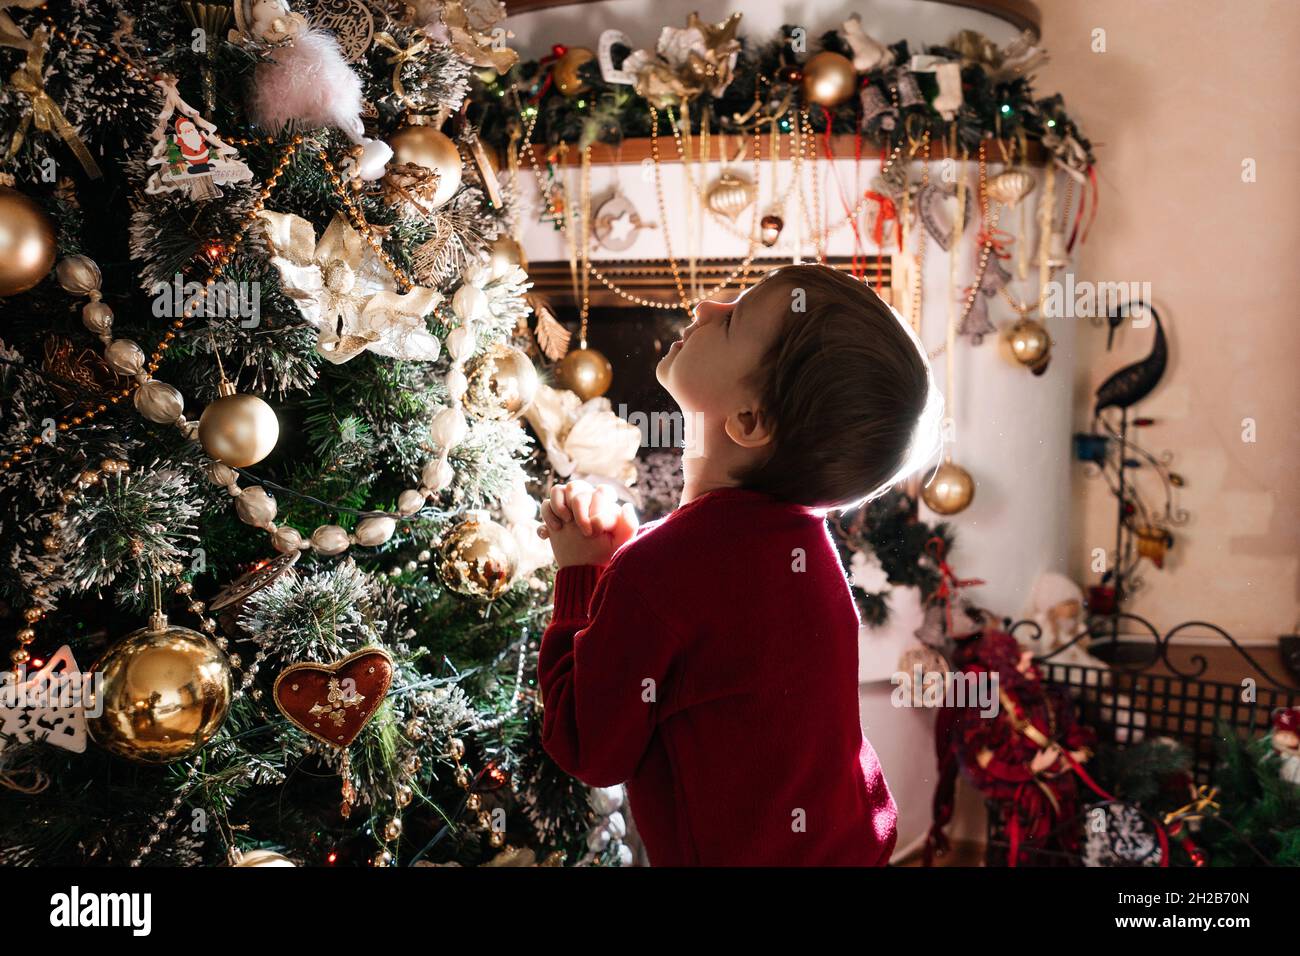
634	336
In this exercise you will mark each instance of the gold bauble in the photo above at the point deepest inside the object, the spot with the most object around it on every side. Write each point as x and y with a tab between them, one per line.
504	254
565	70
239	430
828	79
263	858
479	557
502	383
1030	342
165	692
425	146
950	490
27	245
585	372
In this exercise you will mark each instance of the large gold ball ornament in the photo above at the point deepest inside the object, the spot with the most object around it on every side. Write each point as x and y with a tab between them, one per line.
239	430
585	372
565	71
425	146
479	557
951	490
27	245
1030	343
263	858
828	79
165	692
505	254
502	384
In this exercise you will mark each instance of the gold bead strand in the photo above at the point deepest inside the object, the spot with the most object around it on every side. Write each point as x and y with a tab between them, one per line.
90	412
663	207
358	219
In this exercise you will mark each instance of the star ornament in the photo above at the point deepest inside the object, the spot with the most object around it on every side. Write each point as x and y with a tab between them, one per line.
715	34
342	288
621	226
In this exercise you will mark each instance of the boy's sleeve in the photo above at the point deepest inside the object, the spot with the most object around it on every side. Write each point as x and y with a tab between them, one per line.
603	668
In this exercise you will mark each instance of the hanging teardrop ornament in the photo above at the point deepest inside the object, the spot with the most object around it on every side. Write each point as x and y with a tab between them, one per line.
730	194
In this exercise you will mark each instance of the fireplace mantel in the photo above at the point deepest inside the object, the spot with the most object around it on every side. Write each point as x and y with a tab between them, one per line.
653	278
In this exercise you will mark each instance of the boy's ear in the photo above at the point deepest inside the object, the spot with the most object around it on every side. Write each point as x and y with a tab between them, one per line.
748	428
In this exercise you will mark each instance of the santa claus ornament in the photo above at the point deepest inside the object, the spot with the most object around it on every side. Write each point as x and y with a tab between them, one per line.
1286	742
188	153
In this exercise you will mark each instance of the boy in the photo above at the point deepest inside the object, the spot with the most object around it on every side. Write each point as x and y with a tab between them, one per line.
710	659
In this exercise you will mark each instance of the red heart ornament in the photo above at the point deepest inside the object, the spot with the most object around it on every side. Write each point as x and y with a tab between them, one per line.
333	702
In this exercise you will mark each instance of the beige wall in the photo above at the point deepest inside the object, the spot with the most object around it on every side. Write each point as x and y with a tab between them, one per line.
1187	90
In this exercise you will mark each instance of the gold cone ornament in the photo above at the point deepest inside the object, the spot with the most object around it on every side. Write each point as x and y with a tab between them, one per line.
238	430
828	79
585	372
165	693
950	490
502	384
479	557
27	245
1011	187
424	146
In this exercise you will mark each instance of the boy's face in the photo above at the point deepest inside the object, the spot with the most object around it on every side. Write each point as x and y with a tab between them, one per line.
707	371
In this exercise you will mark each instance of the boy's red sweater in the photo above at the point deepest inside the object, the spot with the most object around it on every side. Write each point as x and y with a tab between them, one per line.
712	665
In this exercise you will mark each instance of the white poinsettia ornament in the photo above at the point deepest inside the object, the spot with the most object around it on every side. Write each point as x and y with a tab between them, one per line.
867	573
584	439
343	289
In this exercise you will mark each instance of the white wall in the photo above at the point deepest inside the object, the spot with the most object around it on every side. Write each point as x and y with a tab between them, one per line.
1185	92
917	21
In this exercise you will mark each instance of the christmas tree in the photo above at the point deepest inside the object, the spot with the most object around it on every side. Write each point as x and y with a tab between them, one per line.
262	455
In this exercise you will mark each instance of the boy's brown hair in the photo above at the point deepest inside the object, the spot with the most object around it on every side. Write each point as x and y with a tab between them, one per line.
847	390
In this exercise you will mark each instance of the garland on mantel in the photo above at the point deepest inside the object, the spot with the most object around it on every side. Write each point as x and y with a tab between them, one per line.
900	95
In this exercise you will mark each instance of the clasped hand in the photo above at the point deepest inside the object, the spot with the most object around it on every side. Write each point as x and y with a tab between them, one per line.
585	525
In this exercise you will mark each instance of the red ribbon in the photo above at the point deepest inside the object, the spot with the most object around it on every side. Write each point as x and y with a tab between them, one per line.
997	240
557	51
1013	825
888	211
1089	188
949	583
844	199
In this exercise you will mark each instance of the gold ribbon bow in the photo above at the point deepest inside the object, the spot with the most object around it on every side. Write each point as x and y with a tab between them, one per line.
28	79
398	59
1203	804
